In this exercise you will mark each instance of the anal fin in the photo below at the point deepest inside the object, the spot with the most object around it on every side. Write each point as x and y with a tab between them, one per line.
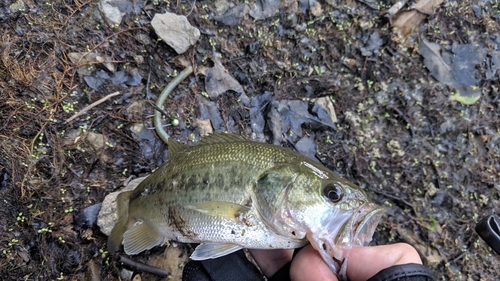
140	237
214	250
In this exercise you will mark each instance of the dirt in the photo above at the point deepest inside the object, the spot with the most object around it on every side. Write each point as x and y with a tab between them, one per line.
432	161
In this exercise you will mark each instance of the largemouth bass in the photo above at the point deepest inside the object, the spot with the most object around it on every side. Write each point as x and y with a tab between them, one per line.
228	193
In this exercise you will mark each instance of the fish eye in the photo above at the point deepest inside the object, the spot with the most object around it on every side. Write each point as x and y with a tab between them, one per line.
333	192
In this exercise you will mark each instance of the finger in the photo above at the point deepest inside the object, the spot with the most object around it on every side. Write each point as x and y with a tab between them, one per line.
308	265
365	262
270	261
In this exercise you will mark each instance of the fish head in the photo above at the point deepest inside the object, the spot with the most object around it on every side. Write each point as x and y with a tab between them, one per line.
333	213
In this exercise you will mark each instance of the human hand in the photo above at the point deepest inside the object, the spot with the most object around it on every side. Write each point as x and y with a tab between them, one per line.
364	262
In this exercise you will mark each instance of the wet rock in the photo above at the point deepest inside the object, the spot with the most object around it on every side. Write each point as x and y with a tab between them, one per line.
87	217
307	147
372	44
210	110
233	15
136	129
144	39
17	6
218	81
313	6
99	143
221	6
149	143
292	115
70	136
395	8
108	215
126	275
264	9
124	79
458	70
253	47
172	260
323	107
493	65
114	10
241	77
134	111
96	141
93	271
316	9
4	179
290	8
139	59
257	122
477	10
176	31
274	122
120	78
439	198
205	126
96	81
448	125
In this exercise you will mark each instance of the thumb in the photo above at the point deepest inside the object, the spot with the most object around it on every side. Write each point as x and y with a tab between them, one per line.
309	265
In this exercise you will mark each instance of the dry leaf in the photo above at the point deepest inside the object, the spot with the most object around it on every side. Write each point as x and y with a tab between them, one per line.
218	81
427	6
456	70
407	20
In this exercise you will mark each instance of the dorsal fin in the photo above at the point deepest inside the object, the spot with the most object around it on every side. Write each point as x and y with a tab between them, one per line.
175	146
221	138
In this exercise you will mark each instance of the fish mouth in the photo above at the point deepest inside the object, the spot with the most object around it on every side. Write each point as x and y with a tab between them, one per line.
358	230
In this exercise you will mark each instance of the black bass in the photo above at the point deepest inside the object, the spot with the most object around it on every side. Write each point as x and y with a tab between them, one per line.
228	193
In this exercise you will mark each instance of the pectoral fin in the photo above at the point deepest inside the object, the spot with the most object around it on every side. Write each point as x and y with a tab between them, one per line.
115	238
140	237
214	250
220	209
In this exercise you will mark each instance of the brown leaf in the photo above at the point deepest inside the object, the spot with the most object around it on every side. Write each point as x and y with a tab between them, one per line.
427	6
407	20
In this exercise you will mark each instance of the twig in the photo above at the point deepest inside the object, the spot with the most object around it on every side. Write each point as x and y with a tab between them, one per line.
161	100
91	105
143	267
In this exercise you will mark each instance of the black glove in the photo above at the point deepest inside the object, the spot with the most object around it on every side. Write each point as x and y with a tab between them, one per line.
237	267
234	266
404	272
489	229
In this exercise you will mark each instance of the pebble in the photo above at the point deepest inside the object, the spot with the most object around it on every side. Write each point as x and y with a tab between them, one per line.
111	11
176	31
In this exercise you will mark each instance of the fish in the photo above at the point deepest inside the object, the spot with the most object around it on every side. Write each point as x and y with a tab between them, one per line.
228	193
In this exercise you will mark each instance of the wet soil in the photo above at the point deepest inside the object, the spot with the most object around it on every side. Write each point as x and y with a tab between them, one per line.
433	162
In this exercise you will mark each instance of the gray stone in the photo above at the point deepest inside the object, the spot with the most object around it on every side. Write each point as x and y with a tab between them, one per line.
108	216
176	31
17	6
114	10
264	9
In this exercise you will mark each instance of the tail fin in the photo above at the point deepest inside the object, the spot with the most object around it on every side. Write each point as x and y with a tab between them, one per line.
116	236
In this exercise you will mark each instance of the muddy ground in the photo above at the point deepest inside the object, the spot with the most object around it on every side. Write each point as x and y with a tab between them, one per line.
432	161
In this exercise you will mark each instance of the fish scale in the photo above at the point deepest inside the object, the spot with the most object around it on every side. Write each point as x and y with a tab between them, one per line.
228	193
